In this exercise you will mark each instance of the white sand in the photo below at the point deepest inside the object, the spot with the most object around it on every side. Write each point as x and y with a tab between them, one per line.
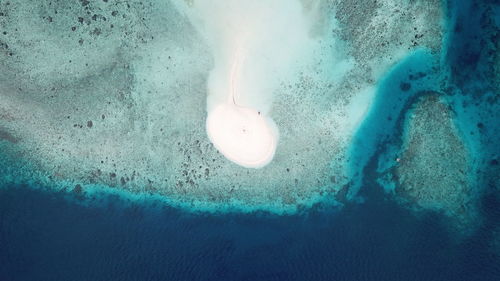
143	84
242	135
247	40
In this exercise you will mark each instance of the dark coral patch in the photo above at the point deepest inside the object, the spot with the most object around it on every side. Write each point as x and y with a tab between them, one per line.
405	86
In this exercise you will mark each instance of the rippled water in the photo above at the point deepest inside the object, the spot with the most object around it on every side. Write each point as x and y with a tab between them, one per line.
58	235
45	237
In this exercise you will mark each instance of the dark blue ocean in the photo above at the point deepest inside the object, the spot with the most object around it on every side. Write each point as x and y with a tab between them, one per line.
47	235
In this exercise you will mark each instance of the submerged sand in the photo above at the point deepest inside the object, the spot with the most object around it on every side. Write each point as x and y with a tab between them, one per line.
114	95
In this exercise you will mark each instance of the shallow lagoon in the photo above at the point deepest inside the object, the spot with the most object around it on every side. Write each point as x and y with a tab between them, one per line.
379	225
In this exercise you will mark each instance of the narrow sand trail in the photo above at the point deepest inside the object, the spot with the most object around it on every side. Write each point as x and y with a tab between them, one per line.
242	134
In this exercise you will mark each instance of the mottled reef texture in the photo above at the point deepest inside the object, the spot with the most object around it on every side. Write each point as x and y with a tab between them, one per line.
114	93
433	169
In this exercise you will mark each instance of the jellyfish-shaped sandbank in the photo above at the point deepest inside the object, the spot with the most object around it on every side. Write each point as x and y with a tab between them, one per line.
242	135
254	45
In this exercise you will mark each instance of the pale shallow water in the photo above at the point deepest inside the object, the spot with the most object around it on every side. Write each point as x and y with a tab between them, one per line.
408	192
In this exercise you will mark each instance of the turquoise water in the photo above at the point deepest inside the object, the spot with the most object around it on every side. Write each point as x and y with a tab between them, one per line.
415	76
433	118
122	102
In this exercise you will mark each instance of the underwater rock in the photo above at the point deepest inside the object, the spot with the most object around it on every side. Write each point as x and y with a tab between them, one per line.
433	169
120	88
6	136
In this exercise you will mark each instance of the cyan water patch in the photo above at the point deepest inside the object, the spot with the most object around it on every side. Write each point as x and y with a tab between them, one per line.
474	88
121	103
103	147
414	76
124	108
455	131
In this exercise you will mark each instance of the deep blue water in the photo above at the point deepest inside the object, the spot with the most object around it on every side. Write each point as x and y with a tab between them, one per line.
46	235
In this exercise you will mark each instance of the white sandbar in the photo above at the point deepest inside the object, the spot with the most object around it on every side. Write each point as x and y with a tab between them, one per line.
242	135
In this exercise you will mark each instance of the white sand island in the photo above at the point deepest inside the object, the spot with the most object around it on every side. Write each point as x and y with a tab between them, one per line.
247	42
242	134
126	109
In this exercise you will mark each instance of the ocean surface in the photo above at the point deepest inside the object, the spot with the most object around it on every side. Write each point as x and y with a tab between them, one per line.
55	235
46	237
